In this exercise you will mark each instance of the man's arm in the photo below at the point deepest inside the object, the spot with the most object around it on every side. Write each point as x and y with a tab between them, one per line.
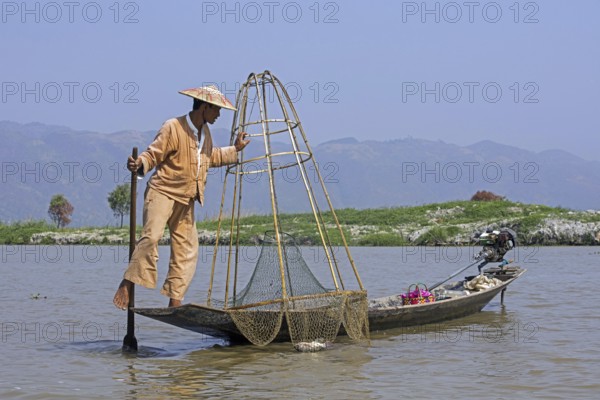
156	153
228	155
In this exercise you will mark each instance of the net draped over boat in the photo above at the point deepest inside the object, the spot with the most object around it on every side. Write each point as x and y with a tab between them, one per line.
282	291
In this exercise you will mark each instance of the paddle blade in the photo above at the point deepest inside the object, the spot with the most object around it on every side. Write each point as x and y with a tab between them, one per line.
130	344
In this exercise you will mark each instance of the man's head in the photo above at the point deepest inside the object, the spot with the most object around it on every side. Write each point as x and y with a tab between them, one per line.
209	112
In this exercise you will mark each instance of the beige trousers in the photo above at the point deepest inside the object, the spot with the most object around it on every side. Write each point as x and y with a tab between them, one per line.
159	210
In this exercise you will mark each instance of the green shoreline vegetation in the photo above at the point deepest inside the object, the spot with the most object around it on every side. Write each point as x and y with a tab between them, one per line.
449	223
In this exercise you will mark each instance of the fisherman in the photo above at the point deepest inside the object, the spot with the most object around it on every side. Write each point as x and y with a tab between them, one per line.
181	152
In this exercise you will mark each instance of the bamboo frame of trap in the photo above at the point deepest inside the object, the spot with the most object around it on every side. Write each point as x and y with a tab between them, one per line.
258	85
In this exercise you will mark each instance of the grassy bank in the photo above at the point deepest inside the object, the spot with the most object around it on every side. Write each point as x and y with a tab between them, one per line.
21	232
446	223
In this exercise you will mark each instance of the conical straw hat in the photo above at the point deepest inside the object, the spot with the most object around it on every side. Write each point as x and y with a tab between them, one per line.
209	94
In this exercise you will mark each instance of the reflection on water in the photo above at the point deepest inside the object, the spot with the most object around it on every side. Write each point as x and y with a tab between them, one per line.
264	372
66	343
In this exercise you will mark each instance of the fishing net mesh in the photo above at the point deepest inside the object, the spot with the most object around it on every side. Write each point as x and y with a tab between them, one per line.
312	312
259	324
356	316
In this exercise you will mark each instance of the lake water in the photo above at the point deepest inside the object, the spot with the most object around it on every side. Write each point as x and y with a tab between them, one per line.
61	336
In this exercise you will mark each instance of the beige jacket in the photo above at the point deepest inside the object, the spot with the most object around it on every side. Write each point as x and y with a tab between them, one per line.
174	154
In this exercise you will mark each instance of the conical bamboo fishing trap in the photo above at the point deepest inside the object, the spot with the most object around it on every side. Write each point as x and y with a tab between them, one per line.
282	290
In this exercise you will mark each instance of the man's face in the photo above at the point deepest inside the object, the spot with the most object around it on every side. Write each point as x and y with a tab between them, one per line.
211	113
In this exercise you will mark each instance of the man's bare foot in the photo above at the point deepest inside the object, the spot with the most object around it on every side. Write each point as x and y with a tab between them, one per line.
121	299
174	303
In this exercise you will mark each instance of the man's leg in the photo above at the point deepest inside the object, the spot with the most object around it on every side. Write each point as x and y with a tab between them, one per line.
142	267
184	253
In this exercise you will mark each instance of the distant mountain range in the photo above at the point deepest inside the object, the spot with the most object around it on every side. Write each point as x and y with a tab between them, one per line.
37	161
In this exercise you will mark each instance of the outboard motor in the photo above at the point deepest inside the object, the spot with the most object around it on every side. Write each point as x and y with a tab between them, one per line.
496	243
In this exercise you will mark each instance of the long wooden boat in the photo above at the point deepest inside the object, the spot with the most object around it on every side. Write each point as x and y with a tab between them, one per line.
384	313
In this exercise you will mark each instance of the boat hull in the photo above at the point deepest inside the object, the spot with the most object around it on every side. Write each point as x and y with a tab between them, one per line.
384	313
438	311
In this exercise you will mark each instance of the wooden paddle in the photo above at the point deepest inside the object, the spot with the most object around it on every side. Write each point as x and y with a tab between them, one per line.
129	341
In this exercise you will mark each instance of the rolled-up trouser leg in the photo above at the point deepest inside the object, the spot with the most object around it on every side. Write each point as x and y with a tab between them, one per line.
158	208
184	251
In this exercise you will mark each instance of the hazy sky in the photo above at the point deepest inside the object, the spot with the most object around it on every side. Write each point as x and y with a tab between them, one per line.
521	73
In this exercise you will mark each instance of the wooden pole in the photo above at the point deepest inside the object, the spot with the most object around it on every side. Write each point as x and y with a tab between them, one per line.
456	273
129	341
